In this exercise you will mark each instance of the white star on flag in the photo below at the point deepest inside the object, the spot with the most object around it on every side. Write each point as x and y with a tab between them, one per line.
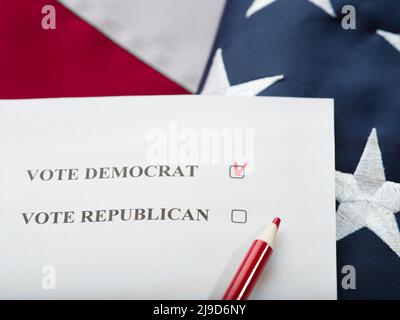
217	82
367	199
257	5
392	38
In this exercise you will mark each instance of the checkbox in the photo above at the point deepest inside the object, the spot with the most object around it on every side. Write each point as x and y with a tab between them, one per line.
239	216
236	171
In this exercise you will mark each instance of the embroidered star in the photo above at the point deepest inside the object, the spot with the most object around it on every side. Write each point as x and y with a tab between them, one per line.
392	38
367	199
257	5
217	81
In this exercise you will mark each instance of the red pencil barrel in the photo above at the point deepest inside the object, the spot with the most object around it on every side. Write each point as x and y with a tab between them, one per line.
249	271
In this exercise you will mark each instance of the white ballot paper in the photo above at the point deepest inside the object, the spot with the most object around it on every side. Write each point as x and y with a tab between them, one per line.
160	197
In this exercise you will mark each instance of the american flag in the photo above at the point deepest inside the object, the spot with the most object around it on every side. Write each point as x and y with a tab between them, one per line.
293	48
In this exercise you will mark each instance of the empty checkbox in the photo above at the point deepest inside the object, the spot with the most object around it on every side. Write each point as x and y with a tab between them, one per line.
239	216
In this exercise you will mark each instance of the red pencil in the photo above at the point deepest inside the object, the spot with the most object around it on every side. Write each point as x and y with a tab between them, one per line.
253	263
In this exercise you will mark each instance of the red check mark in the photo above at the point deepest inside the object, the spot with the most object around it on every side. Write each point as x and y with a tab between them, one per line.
239	169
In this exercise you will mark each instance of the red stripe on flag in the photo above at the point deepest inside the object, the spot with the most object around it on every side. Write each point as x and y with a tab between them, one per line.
75	60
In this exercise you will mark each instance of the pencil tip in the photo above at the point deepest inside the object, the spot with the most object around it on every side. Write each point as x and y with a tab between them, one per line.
277	221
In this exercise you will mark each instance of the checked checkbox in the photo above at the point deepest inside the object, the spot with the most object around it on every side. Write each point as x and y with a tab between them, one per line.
237	171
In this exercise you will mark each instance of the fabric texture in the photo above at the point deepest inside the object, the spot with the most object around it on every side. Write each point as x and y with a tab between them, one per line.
174	37
73	60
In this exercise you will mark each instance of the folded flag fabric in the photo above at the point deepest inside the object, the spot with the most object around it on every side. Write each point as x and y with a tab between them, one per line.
300	48
75	60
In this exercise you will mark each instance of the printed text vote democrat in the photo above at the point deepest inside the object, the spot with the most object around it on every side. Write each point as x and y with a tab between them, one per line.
150	171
